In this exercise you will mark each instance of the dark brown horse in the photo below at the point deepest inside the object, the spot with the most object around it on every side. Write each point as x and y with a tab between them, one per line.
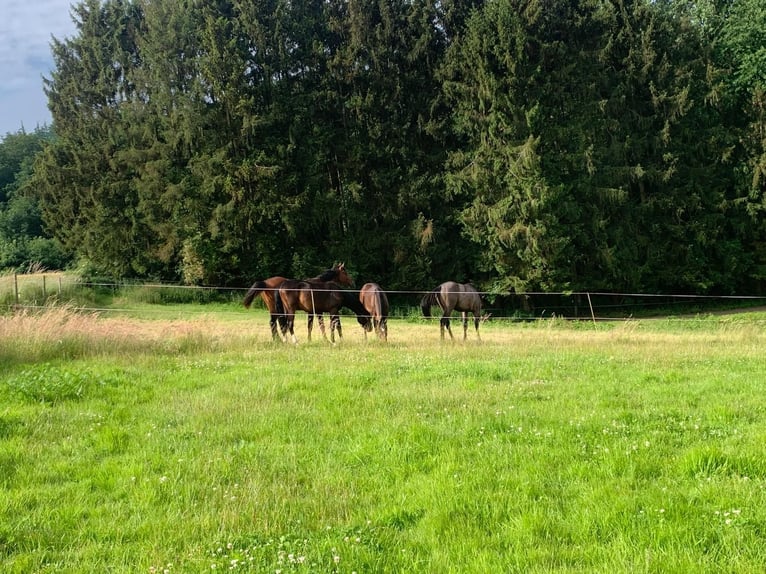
316	296
268	289
451	296
375	303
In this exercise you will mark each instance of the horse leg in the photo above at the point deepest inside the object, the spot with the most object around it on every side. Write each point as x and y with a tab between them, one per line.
476	321
335	324
465	325
278	321
290	327
381	328
282	322
444	323
320	319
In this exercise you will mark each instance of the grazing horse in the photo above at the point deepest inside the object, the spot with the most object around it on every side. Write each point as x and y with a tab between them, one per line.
351	301
375	303
314	296
451	296
268	289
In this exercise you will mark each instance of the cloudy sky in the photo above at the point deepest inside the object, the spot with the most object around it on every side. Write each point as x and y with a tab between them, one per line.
26	28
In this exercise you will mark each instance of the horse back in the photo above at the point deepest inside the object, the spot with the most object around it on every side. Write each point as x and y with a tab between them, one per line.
460	296
469	300
289	294
311	296
266	288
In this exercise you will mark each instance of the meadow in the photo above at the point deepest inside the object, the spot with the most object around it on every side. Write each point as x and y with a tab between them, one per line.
182	439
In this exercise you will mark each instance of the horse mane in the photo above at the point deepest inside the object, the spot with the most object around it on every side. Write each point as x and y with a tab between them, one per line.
326	276
253	292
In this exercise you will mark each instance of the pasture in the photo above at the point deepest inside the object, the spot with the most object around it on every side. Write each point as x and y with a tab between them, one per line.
185	440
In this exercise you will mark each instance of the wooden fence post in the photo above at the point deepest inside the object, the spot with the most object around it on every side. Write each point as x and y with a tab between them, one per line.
592	314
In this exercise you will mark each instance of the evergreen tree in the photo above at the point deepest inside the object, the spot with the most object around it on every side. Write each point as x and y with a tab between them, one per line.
740	39
535	144
384	163
84	179
588	146
23	241
510	80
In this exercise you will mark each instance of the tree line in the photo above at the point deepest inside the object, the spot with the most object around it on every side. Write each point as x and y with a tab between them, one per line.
530	145
24	243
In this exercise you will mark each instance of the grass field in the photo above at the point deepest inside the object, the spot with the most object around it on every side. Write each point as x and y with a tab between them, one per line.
184	440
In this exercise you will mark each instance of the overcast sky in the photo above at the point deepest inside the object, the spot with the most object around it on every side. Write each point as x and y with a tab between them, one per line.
26	27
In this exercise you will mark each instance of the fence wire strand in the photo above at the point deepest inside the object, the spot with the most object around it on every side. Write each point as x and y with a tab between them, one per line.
544	305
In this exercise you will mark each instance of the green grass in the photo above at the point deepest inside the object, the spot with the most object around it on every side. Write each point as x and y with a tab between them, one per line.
198	445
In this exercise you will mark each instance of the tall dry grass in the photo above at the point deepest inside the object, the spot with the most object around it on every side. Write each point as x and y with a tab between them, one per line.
64	332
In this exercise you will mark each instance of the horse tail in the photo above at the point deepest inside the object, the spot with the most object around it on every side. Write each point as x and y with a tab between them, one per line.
253	292
383	302
431	299
377	308
279	306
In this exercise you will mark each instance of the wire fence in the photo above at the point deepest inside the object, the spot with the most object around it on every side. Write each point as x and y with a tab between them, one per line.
43	290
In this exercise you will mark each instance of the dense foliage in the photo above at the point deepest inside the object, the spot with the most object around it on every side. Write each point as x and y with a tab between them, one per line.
23	241
528	144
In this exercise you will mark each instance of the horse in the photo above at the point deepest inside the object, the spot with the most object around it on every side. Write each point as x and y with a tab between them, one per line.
337	274
375	302
451	296
314	296
351	300
268	289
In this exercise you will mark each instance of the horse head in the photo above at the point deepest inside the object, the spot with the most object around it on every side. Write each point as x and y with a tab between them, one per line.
365	322
342	276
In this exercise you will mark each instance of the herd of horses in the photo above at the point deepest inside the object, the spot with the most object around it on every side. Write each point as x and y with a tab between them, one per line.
326	294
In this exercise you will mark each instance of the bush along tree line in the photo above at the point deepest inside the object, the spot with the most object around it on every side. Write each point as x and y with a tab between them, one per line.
537	145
